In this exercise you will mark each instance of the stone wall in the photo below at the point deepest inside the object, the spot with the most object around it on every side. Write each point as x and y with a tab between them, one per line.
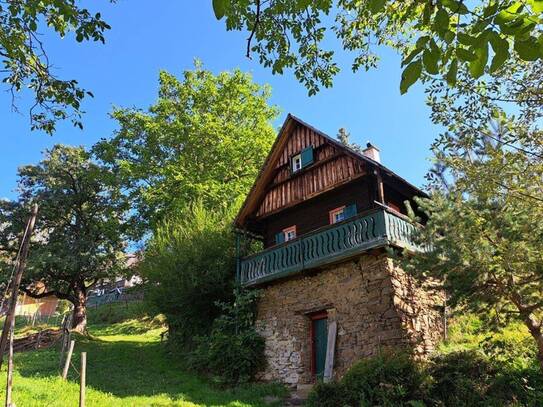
377	305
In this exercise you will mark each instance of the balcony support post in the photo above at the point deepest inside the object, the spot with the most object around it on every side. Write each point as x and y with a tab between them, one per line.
238	256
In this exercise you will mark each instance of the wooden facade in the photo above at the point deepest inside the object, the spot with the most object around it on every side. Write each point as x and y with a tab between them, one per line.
337	176
332	167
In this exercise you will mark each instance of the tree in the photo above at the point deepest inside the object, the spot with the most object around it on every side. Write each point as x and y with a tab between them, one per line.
344	137
204	140
25	61
188	266
485	227
433	37
79	230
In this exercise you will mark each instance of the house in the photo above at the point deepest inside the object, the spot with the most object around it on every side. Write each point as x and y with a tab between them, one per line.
326	217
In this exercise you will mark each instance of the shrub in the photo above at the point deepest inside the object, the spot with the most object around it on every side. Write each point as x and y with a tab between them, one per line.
456	379
233	352
189	265
469	378
389	379
460	378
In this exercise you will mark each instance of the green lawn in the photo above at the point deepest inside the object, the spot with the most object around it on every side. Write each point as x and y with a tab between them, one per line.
127	366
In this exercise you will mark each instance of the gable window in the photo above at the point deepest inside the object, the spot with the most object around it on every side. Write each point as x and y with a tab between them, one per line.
302	160
342	213
296	163
285	235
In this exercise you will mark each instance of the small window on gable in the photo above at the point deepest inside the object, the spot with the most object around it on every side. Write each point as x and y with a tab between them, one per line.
296	163
302	160
342	213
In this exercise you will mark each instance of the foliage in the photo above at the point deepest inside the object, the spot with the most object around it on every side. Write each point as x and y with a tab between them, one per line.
127	366
344	137
188	266
27	65
79	233
485	214
435	38
205	139
388	379
458	378
233	352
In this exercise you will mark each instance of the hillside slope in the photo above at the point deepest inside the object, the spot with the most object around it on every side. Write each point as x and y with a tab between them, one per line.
127	366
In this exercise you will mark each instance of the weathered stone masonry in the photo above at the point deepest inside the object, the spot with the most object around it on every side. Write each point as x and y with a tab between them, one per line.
378	306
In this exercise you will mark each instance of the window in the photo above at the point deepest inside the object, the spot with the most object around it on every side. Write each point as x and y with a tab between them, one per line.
285	235
302	160
290	233
337	215
297	163
342	213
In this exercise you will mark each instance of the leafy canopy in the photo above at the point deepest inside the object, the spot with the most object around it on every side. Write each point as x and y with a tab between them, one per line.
486	210
24	59
188	266
79	233
435	38
204	140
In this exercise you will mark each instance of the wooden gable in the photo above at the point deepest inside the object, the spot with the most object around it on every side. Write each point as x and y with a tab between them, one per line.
278	188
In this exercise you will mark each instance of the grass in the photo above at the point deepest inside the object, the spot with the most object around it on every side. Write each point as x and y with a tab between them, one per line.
127	365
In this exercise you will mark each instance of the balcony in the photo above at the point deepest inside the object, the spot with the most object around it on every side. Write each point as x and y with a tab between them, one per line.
328	245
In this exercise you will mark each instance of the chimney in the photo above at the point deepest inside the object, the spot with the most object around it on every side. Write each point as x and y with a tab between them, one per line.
372	152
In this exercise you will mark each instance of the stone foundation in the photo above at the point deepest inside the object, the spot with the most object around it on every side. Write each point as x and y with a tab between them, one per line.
378	306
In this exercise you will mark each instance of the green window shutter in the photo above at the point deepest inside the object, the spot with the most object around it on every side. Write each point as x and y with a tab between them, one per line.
349	211
307	156
279	238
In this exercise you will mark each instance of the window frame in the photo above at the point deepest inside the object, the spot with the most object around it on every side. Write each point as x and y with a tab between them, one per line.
333	212
286	232
296	158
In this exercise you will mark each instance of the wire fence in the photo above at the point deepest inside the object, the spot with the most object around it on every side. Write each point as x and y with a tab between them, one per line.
112	297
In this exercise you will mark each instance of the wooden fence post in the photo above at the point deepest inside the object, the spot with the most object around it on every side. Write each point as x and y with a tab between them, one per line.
68	360
83	376
9	384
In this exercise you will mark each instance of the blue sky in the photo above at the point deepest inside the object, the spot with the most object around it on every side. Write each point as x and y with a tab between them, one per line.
165	34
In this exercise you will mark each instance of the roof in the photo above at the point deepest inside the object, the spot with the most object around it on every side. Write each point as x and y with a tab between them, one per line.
267	168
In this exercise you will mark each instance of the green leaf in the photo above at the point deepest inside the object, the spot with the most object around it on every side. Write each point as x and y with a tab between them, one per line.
528	50
441	20
457	7
477	66
410	75
377	5
465	39
500	47
537	6
465	55
430	58
219	8
452	72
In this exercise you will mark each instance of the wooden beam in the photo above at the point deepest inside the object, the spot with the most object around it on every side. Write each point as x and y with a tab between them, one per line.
16	282
331	345
380	188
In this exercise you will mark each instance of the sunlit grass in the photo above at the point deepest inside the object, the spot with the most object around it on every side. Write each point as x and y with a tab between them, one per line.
127	366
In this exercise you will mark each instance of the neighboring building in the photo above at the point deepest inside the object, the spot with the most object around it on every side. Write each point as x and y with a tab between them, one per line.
331	294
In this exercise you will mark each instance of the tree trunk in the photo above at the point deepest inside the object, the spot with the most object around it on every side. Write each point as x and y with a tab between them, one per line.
79	319
535	330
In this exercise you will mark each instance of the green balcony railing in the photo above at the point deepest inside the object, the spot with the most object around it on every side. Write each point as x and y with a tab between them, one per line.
327	245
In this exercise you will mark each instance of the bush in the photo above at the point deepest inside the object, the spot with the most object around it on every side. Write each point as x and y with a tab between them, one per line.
389	379
189	265
469	378
456	379
234	352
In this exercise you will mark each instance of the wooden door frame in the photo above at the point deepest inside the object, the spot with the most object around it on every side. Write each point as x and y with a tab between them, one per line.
312	318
